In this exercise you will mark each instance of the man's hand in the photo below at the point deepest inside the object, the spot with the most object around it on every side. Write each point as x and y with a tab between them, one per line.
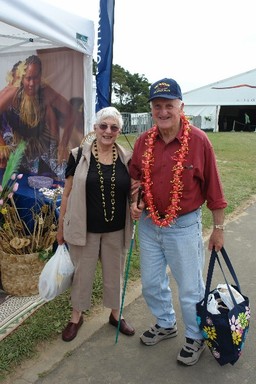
216	240
136	210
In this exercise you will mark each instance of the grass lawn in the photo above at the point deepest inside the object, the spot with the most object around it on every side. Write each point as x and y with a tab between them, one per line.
235	152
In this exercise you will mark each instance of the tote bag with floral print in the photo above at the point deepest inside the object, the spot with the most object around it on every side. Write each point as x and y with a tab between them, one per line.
224	327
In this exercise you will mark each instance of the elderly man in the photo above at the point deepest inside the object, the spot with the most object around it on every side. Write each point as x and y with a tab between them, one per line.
176	167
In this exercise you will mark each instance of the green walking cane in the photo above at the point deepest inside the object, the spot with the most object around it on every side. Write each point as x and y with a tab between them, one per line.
127	269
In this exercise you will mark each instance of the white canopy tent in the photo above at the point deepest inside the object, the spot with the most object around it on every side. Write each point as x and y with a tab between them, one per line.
223	105
29	26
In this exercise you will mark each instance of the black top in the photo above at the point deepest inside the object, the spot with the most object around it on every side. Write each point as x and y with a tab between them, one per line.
95	214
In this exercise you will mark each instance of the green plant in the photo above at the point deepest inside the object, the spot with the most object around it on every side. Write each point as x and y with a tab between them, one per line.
9	182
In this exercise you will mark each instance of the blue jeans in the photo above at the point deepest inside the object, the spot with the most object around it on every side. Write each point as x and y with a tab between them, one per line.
180	246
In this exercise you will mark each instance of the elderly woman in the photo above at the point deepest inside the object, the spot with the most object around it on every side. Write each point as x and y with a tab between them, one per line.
95	220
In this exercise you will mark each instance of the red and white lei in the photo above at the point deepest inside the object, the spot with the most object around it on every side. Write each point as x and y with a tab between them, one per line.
177	185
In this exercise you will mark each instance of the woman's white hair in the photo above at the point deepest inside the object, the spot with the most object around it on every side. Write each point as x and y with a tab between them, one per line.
109	112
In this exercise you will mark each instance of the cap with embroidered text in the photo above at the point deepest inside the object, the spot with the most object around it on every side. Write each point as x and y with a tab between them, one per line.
165	88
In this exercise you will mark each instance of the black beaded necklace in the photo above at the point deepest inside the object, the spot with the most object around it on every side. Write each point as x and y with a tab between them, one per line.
101	178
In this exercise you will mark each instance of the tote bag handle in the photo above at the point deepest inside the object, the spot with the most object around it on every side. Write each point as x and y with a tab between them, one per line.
214	256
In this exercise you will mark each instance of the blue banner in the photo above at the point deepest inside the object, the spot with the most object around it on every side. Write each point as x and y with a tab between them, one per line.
105	54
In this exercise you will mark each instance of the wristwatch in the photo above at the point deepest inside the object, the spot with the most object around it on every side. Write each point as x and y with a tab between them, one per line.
219	226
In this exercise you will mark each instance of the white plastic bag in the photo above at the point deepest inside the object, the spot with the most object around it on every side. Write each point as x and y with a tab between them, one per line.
56	276
225	295
220	298
212	304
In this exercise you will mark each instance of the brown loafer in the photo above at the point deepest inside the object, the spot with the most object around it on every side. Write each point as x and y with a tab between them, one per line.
70	332
125	328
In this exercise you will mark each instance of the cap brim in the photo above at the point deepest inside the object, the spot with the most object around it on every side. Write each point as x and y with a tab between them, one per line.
170	97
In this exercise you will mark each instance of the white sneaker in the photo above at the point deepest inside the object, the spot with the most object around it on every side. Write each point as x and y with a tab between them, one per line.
156	334
191	351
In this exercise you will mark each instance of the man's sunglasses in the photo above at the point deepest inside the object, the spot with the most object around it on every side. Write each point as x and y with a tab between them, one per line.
114	128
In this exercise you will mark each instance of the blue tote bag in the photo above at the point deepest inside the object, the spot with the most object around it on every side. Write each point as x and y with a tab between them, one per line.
225	325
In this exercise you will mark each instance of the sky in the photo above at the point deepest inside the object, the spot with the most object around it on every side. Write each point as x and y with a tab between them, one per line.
196	42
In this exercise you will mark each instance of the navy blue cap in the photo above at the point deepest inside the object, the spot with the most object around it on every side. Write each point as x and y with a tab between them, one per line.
165	88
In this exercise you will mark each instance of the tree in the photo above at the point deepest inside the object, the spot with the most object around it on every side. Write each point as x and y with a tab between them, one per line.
120	89
129	91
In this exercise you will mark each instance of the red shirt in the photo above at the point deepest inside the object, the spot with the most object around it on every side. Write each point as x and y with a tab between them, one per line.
200	175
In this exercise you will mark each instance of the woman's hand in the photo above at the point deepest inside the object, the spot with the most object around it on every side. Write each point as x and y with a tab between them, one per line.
135	185
59	236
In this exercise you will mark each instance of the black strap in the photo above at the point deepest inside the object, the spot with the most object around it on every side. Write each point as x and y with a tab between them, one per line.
214	256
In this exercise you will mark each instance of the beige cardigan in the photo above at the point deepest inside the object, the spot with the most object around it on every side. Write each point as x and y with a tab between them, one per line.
75	227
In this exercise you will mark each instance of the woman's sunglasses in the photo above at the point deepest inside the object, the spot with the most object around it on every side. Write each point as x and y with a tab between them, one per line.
114	128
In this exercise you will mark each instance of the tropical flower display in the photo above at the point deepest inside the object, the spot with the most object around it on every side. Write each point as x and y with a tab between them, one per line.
16	237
